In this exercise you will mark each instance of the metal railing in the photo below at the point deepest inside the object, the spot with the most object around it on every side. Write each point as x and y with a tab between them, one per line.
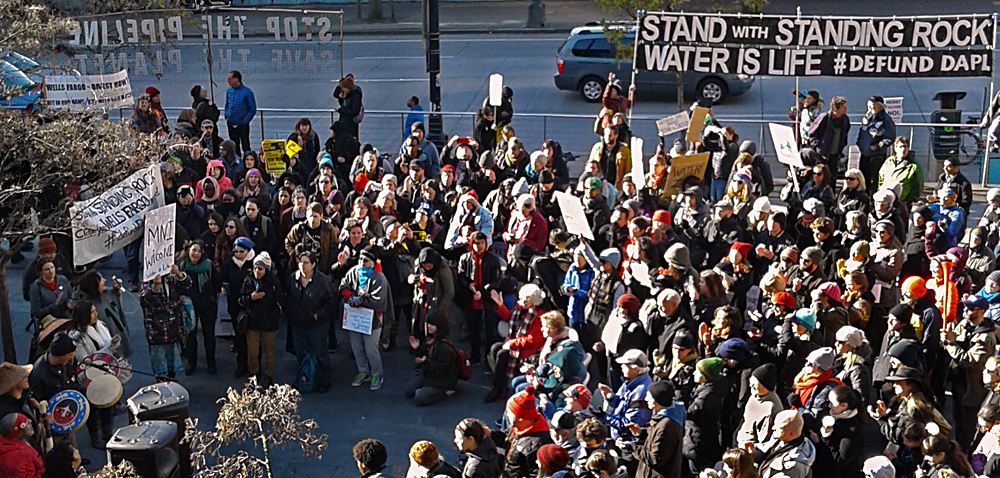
384	130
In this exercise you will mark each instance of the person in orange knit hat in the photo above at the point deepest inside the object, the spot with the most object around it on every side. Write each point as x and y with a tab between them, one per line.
926	319
945	292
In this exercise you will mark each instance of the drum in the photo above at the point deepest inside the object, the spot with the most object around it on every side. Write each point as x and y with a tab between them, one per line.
69	411
104	391
503	329
96	365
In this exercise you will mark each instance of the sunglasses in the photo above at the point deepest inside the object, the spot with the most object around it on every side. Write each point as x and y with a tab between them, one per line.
239	251
230	226
817	173
852	179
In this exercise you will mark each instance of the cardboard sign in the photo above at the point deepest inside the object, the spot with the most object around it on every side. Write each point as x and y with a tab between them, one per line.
291	147
684	166
573	215
753	298
894	108
158	249
273	150
640	272
696	124
854	157
673	123
358	319
496	89
106	223
637	165
784	144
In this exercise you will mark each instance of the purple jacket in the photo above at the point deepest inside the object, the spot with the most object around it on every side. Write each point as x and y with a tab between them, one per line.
821	135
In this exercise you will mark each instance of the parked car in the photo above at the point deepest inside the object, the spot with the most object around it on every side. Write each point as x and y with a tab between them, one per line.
19	90
586	58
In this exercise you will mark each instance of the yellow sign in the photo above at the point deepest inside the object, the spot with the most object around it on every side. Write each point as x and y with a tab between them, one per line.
684	166
697	124
291	148
273	150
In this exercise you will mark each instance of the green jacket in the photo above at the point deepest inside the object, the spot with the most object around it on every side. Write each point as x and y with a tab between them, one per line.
908	173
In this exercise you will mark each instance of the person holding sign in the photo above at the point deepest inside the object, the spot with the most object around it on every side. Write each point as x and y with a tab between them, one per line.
306	138
364	287
163	319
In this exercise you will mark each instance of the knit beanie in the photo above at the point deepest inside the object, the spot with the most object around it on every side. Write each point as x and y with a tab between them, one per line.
822	357
993	277
790	253
916	286
906	351
743	248
263	259
767	376
902	313
580	392
629	302
613	256
662	393
594	183
733	349
814	254
683	339
522	404
785	299
46	246
852	336
806	318
710	368
678	256
61	344
552	458
831	290
243	242
762	205
662	215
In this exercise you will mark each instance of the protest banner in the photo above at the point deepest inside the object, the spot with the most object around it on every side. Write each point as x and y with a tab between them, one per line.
682	167
800	45
573	215
291	147
696	124
672	123
853	157
496	89
358	319
104	224
784	144
159	241
637	165
273	150
105	92
894	108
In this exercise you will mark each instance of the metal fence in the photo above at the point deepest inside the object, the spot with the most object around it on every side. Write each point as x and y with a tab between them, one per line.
384	130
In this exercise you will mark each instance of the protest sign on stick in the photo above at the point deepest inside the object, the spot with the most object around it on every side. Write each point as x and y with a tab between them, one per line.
573	215
159	241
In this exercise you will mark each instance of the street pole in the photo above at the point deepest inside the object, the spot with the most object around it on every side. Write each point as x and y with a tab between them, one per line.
432	42
795	97
989	108
635	54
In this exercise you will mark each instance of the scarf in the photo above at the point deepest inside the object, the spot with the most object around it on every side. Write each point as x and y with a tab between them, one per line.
676	365
200	271
846	414
806	382
364	273
249	257
477	259
539	426
51	285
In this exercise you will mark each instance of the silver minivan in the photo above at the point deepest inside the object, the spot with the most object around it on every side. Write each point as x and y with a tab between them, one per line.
585	59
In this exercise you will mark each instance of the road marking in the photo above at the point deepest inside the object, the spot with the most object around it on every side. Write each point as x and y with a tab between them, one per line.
421	57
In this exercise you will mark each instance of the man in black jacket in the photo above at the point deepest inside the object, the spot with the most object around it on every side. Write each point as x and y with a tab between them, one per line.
54	372
234	272
260	228
659	447
959	183
479	453
479	273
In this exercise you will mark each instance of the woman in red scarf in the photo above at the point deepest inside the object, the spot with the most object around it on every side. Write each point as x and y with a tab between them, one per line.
813	384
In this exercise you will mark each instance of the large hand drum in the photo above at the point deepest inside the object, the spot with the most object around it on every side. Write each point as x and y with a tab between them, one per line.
96	365
69	411
104	391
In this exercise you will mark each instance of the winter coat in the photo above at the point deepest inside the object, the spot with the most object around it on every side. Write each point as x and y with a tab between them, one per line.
533	231
701	428
439	370
597	211
950	219
580	280
375	294
190	218
240	105
821	135
819	191
793	459
851	200
327	242
758	419
444	281
877	133
968	352
841	453
855	372
487	271
310	149
19	460
43	299
310	305
263	232
615	164
962	187
95	339
162	313
622	408
980	264
886	262
522	453
63	268
908	173
660	453
482	222
482	461
566	355
261	314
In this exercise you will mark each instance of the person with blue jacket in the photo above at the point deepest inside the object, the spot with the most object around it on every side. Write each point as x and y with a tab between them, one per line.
622	405
949	217
576	285
240	110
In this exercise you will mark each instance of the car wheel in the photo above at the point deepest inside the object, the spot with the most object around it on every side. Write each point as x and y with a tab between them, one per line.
713	89
592	89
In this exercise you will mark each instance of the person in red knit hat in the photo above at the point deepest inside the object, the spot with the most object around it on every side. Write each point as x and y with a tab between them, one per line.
552	459
528	432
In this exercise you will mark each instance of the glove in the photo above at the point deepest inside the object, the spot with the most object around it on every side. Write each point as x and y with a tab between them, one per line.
354	301
794	401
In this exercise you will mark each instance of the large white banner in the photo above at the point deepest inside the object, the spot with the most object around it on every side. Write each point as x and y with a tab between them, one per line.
104	224
158	242
107	92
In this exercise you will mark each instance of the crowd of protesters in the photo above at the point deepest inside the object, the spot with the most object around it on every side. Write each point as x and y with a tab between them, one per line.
846	330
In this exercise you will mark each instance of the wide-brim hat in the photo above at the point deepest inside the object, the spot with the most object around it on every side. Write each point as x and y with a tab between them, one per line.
11	375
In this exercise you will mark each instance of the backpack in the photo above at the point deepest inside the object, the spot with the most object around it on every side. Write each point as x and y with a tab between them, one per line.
306	382
462	363
361	116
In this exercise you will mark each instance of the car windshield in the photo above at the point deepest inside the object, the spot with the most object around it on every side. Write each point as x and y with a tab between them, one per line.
19	61
13	77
